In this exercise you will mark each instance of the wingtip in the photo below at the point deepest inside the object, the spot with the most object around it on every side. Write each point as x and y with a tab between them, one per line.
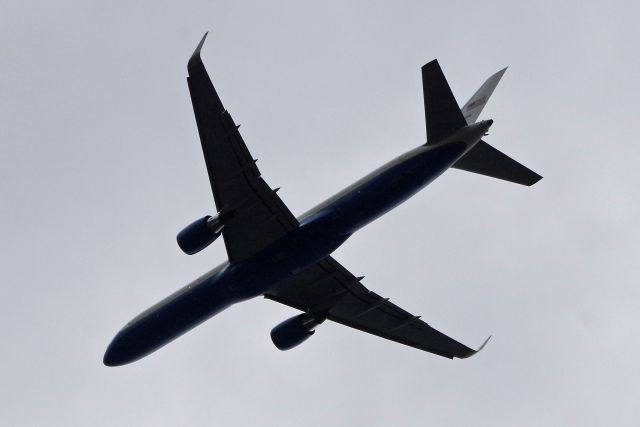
472	352
483	344
195	57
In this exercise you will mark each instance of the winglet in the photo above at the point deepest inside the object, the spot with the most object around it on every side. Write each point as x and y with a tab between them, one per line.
195	58
472	352
484	343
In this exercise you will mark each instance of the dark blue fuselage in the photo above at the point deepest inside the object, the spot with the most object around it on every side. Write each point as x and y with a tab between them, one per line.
322	230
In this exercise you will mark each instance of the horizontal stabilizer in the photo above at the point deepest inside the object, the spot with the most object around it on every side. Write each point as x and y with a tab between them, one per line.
441	110
486	160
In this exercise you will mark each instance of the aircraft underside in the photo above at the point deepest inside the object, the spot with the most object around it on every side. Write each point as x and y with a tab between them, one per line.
287	259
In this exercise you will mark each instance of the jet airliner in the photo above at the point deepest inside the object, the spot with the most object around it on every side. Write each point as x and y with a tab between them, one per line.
273	254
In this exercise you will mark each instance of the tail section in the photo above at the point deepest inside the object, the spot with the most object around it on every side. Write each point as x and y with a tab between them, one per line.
444	117
486	160
474	106
441	110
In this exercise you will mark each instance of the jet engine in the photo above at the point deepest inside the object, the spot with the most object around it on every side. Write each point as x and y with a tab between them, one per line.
199	234
294	331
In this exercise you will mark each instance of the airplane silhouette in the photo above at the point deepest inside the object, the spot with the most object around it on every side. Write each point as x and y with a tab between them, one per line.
287	259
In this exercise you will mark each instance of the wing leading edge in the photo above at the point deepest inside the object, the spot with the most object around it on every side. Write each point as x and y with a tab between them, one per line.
253	214
330	289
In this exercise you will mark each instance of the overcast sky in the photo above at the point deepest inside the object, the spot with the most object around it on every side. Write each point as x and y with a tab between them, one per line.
100	167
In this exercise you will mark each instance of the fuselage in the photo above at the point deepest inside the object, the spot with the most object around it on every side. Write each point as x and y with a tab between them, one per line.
322	230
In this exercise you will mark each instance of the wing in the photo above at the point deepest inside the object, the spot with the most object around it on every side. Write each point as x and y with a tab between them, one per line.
329	288
253	214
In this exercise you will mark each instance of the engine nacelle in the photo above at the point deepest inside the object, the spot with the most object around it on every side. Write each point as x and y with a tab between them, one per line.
294	331
199	234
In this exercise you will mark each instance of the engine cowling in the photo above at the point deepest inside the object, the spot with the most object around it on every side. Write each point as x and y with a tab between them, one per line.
199	234
294	331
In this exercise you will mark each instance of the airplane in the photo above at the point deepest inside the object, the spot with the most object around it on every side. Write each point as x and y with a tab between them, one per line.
273	254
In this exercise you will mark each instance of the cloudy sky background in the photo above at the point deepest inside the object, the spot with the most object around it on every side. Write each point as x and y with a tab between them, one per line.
100	167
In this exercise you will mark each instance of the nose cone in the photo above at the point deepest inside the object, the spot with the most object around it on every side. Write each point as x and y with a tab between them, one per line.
113	356
119	352
133	342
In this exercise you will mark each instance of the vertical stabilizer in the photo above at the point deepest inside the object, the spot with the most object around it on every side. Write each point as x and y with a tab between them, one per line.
474	106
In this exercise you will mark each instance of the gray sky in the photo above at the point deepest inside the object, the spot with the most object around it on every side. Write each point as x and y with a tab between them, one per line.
100	167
